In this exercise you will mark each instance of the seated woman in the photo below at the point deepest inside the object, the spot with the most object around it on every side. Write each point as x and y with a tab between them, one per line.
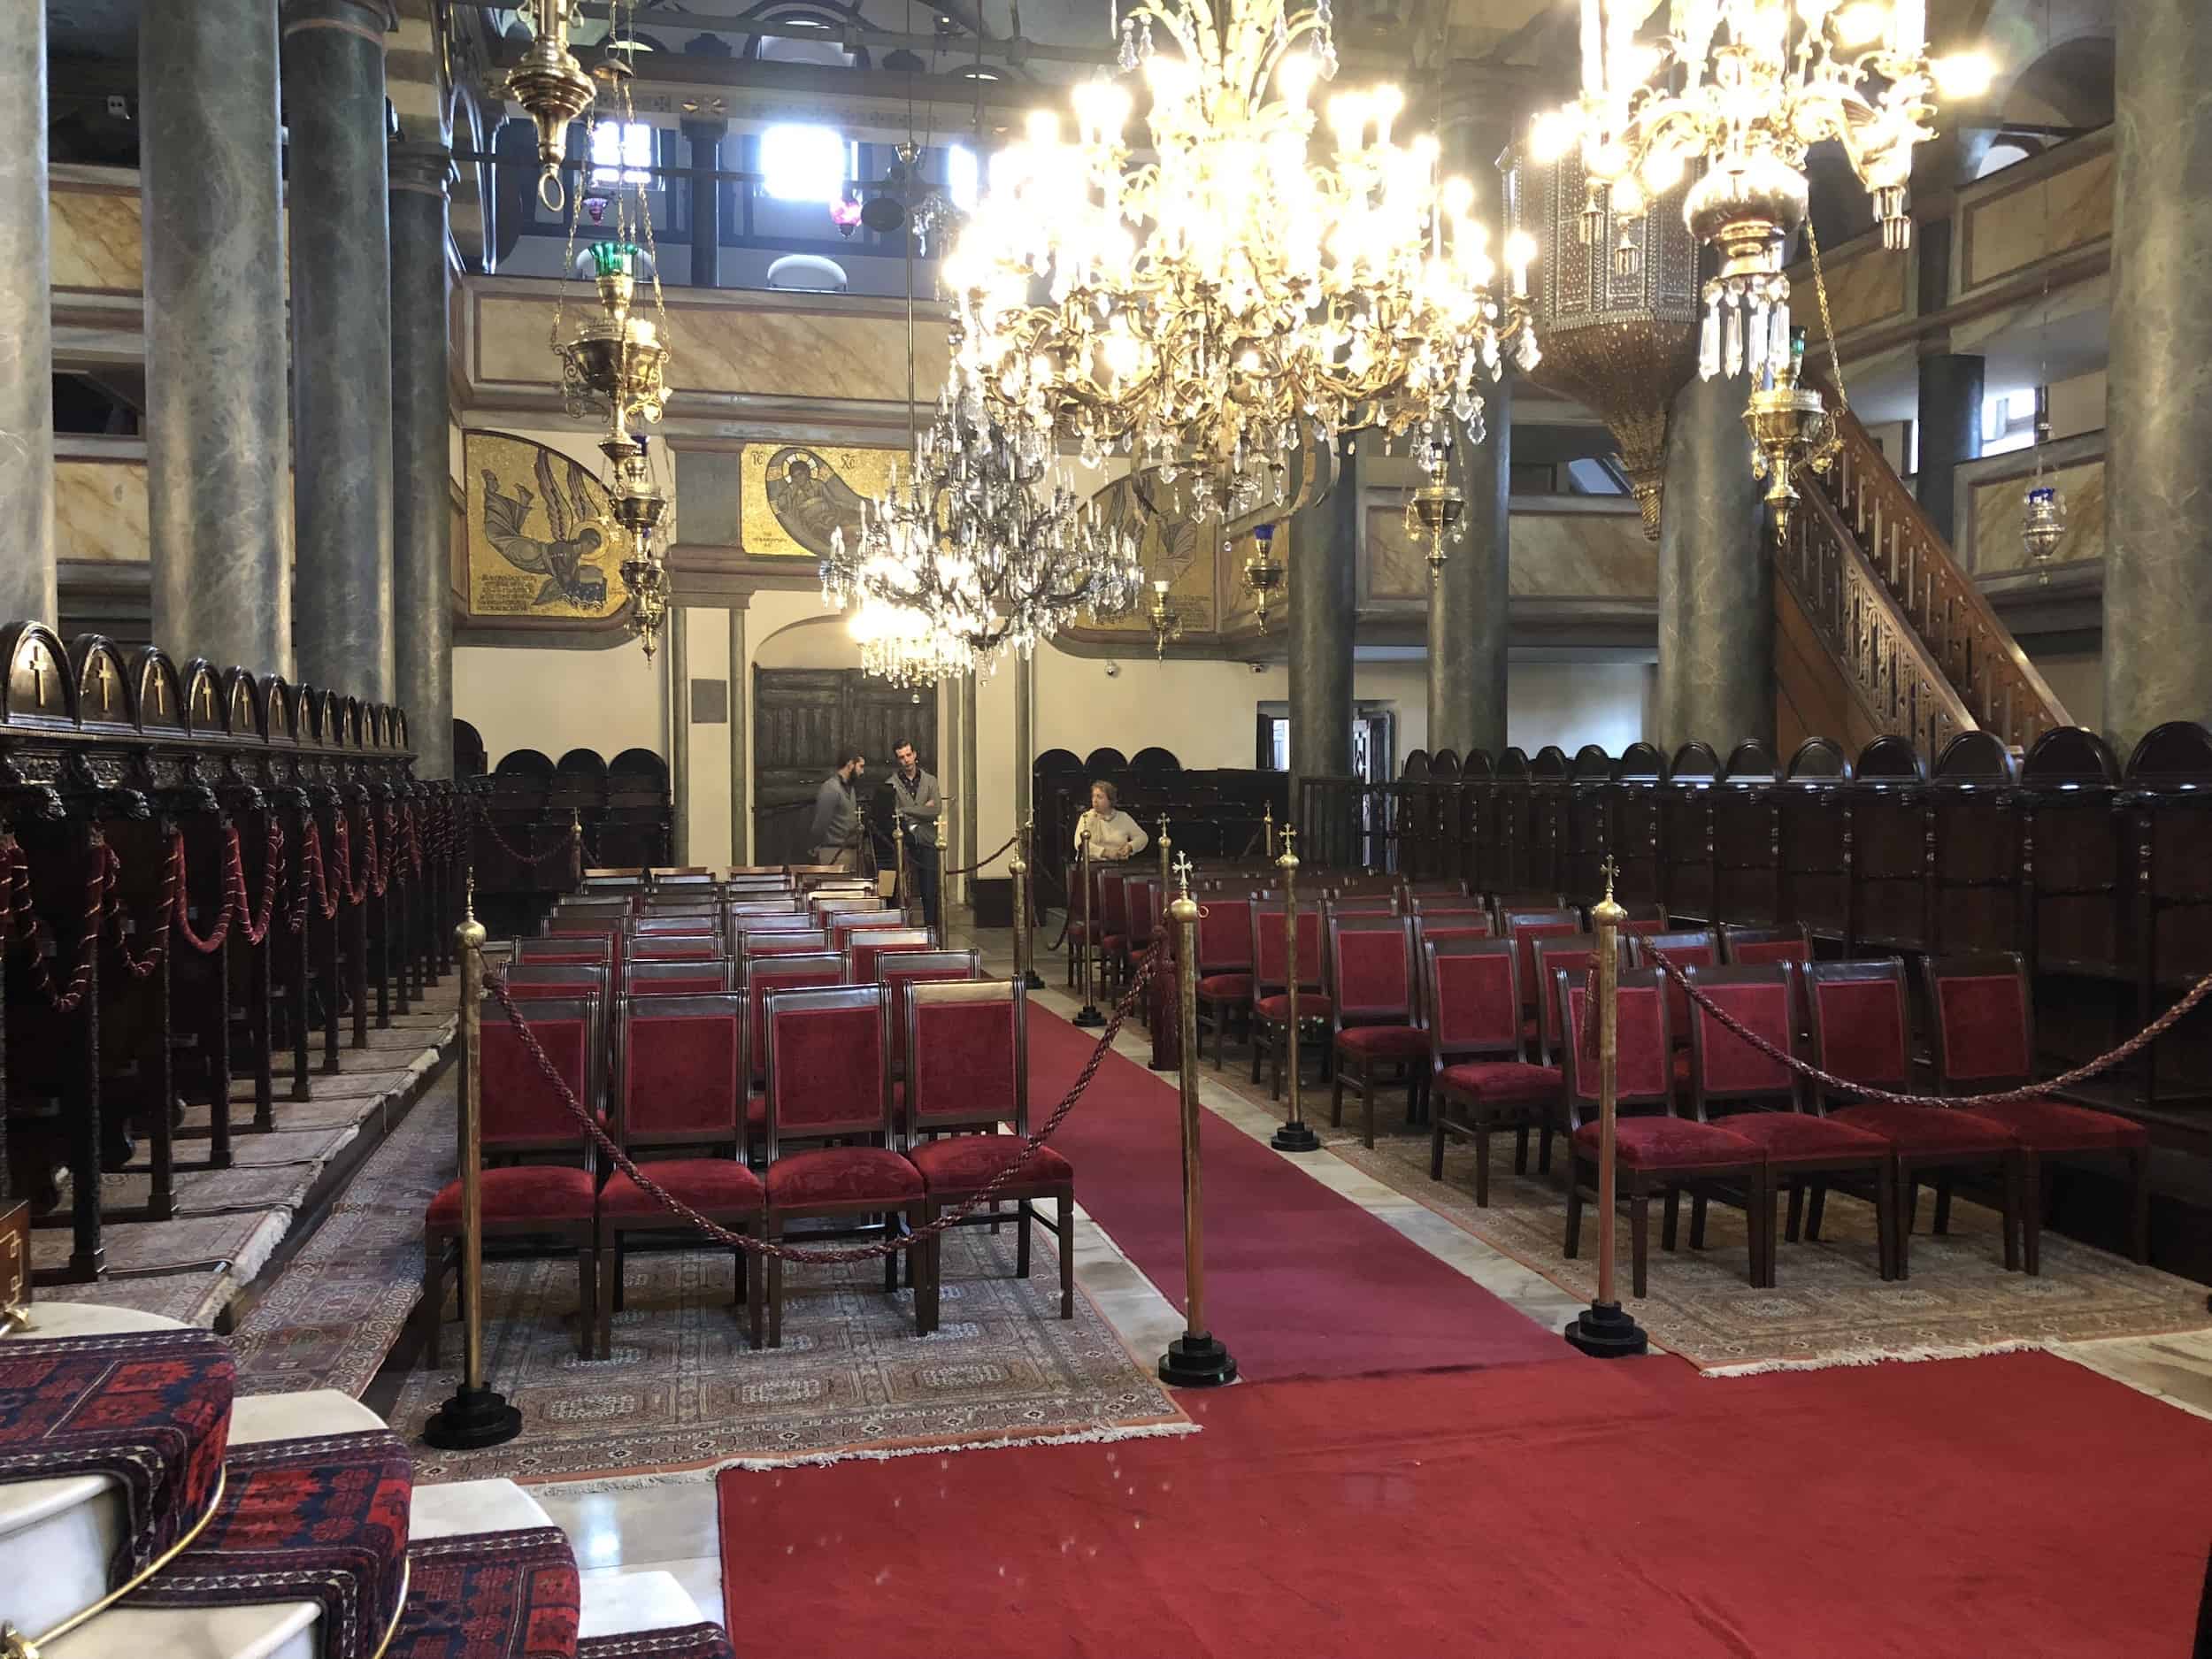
1114	836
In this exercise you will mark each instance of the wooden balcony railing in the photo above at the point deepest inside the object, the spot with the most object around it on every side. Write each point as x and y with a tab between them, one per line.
1921	586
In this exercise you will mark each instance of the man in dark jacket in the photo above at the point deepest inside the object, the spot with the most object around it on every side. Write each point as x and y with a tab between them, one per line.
836	830
919	804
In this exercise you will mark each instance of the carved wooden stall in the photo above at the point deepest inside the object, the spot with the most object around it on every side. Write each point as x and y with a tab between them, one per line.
1211	814
534	825
204	876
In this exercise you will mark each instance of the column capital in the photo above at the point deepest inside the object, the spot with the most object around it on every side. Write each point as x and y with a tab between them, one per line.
420	166
370	19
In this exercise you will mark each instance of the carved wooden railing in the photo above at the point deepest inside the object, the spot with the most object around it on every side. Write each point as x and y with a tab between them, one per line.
1901	687
1935	597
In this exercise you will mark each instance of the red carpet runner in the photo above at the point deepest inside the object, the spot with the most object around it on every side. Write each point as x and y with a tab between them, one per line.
1298	1281
2018	1505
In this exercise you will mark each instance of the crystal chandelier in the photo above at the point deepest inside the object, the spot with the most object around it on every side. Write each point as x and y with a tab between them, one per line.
1225	301
986	543
1746	87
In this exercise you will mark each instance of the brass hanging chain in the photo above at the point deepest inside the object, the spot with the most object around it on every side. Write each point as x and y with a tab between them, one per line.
1827	323
809	1256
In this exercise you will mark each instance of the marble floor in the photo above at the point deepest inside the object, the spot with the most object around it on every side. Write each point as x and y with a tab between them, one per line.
670	1525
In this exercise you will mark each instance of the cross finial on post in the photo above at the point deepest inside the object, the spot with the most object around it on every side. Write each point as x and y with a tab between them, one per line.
1182	872
468	895
1610	869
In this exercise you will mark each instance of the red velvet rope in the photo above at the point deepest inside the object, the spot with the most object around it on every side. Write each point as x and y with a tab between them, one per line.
483	821
23	923
142	967
496	984
207	944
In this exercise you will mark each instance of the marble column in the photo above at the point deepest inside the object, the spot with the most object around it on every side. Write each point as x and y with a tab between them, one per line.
422	416
705	138
1470	602
1950	423
1467	610
2158	559
26	333
679	730
1323	617
341	343
740	729
219	503
1715	578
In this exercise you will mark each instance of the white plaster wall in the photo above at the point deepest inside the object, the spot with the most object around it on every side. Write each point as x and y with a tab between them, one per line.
554	700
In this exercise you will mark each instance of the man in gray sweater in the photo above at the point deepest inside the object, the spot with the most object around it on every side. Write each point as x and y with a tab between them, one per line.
918	804
837	812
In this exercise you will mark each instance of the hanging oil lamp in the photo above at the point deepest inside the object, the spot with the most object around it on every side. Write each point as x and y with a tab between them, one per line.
1790	428
1166	624
1434	507
2043	514
553	90
1263	571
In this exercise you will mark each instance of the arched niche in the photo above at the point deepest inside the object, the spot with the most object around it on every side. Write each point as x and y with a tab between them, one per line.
40	689
158	691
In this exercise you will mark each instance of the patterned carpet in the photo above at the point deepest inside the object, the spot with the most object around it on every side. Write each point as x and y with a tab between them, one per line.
340	1304
1830	1308
684	1392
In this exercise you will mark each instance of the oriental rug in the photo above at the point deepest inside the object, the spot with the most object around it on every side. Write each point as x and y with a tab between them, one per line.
683	1392
1831	1306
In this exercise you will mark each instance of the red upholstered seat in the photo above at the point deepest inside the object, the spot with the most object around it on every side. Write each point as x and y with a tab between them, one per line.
1311	1005
2049	1125
1114	941
962	1162
1672	1143
1929	1131
1788	1137
715	1185
526	1192
1501	1082
1226	987
841	1175
1384	1042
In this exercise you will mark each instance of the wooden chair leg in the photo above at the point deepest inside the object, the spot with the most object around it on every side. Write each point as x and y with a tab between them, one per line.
756	1296
1670	1214
588	1299
1902	1196
1638	1238
1697	1221
2139	1203
1336	1096
1520	1149
1436	1153
1367	1107
1885	1220
1482	1160
1021	1238
1543	1147
926	1277
1064	1208
617	1275
610	1250
1795	1221
1257	1039
433	1314
775	1294
1942	1225
891	1221
2031	1215
1817	1209
1574	1209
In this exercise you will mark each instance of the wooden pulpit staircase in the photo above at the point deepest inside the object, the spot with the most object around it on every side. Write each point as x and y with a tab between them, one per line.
1880	632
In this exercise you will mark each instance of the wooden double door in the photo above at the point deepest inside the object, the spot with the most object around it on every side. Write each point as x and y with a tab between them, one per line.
800	717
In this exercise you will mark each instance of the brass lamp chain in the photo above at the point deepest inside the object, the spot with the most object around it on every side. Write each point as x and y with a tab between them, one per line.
1827	323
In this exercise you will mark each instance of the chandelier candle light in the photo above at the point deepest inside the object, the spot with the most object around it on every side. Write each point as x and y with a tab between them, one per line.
1227	299
1745	88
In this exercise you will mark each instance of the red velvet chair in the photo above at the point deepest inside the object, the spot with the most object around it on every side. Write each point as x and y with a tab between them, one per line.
828	1080
1644	917
681	1087
1653	1150
1444	889
673	948
1224	968
1691	947
1985	1040
1474	1031
524	1115
968	1072
797	942
594	947
896	969
1461	915
1524	927
862	949
1361	904
1435	927
1144	925
1567	953
1271	993
1372	1022
823	905
677	978
705	922
793	971
848	924
1113	923
1508	904
1748	947
1861	1031
1767	1104
535	981
747	924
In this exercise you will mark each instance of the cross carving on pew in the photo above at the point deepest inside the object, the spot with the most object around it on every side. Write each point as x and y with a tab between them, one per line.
106	677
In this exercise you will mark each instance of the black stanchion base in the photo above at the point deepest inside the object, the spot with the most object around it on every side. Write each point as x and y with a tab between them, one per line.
1035	980
1197	1362
1163	1065
1603	1332
472	1419
1297	1135
1089	1017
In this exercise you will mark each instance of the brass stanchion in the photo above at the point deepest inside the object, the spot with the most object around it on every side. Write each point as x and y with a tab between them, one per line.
1166	1055
1267	829
1018	867
1195	1359
1602	1329
1089	1015
476	1415
1026	941
1296	1134
900	890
